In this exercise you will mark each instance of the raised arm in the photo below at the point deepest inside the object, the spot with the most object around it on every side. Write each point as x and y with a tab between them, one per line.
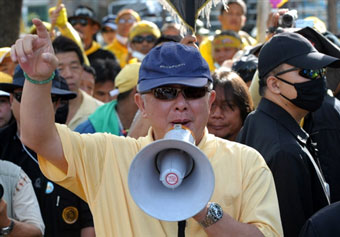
36	57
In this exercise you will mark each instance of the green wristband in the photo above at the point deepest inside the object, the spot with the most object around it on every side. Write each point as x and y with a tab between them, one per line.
39	82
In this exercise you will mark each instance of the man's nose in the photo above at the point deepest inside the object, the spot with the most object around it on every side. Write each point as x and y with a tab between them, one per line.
180	102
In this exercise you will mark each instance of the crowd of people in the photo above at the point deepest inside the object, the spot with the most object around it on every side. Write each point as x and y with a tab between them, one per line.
75	112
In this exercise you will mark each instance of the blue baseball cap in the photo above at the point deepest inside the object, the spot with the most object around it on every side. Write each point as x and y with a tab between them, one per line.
173	63
109	21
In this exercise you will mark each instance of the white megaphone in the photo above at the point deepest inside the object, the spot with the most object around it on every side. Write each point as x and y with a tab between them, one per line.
171	179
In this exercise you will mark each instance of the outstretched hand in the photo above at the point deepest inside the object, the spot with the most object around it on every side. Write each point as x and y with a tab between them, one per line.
35	53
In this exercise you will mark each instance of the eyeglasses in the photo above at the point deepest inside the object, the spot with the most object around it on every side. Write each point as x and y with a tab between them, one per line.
140	39
311	74
18	95
122	21
81	21
171	93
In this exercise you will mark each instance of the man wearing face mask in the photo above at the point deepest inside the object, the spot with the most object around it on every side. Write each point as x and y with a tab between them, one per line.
292	84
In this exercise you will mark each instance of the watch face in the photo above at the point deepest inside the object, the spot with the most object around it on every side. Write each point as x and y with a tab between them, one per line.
216	211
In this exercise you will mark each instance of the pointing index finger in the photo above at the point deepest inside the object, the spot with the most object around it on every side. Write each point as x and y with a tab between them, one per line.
41	29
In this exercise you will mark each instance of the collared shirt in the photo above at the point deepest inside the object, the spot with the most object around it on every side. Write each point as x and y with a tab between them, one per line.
284	145
98	166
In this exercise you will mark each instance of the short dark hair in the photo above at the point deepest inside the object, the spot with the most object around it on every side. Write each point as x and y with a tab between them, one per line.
62	44
90	70
106	69
235	91
263	81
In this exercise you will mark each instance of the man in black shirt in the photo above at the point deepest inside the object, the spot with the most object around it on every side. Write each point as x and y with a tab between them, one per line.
292	84
64	213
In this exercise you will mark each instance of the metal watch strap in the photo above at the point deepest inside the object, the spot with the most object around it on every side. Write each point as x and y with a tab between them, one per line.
7	230
214	214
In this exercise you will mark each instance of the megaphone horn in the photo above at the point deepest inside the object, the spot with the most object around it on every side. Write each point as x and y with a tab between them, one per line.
171	179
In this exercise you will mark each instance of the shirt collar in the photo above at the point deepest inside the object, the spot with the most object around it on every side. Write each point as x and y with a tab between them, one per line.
284	118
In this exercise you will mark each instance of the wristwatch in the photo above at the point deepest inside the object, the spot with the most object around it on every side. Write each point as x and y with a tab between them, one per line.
7	230
214	214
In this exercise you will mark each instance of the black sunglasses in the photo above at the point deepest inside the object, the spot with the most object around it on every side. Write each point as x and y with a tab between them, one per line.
81	21
140	39
171	93
18	95
311	74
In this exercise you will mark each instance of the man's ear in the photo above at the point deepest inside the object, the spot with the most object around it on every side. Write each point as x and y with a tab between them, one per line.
95	28
244	19
212	98
141	104
273	85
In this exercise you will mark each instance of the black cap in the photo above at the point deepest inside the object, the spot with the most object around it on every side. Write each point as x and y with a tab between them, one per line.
293	49
84	12
246	67
58	85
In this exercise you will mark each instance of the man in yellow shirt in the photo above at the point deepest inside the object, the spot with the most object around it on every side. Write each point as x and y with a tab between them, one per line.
85	22
171	90
234	19
126	18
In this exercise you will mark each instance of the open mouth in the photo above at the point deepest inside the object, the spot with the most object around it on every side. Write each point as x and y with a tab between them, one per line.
182	122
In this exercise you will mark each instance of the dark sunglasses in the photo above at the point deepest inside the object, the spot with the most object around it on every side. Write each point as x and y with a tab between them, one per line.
140	39
81	21
18	95
171	93
311	74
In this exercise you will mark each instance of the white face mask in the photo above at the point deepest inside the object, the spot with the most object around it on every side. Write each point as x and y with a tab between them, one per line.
138	55
123	40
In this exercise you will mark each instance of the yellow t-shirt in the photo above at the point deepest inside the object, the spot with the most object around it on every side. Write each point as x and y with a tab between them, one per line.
98	166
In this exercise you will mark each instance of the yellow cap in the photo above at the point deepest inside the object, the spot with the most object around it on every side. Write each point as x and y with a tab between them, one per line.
33	30
127	11
127	78
227	41
144	27
4	52
5	78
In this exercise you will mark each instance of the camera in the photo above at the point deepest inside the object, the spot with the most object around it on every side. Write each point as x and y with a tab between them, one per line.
288	19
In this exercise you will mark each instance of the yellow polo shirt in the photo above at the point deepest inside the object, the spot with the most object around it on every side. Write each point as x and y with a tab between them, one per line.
98	166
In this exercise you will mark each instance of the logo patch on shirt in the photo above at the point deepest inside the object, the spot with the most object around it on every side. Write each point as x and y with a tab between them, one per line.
70	215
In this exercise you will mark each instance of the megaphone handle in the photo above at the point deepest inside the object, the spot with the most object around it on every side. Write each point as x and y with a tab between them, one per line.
181	228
